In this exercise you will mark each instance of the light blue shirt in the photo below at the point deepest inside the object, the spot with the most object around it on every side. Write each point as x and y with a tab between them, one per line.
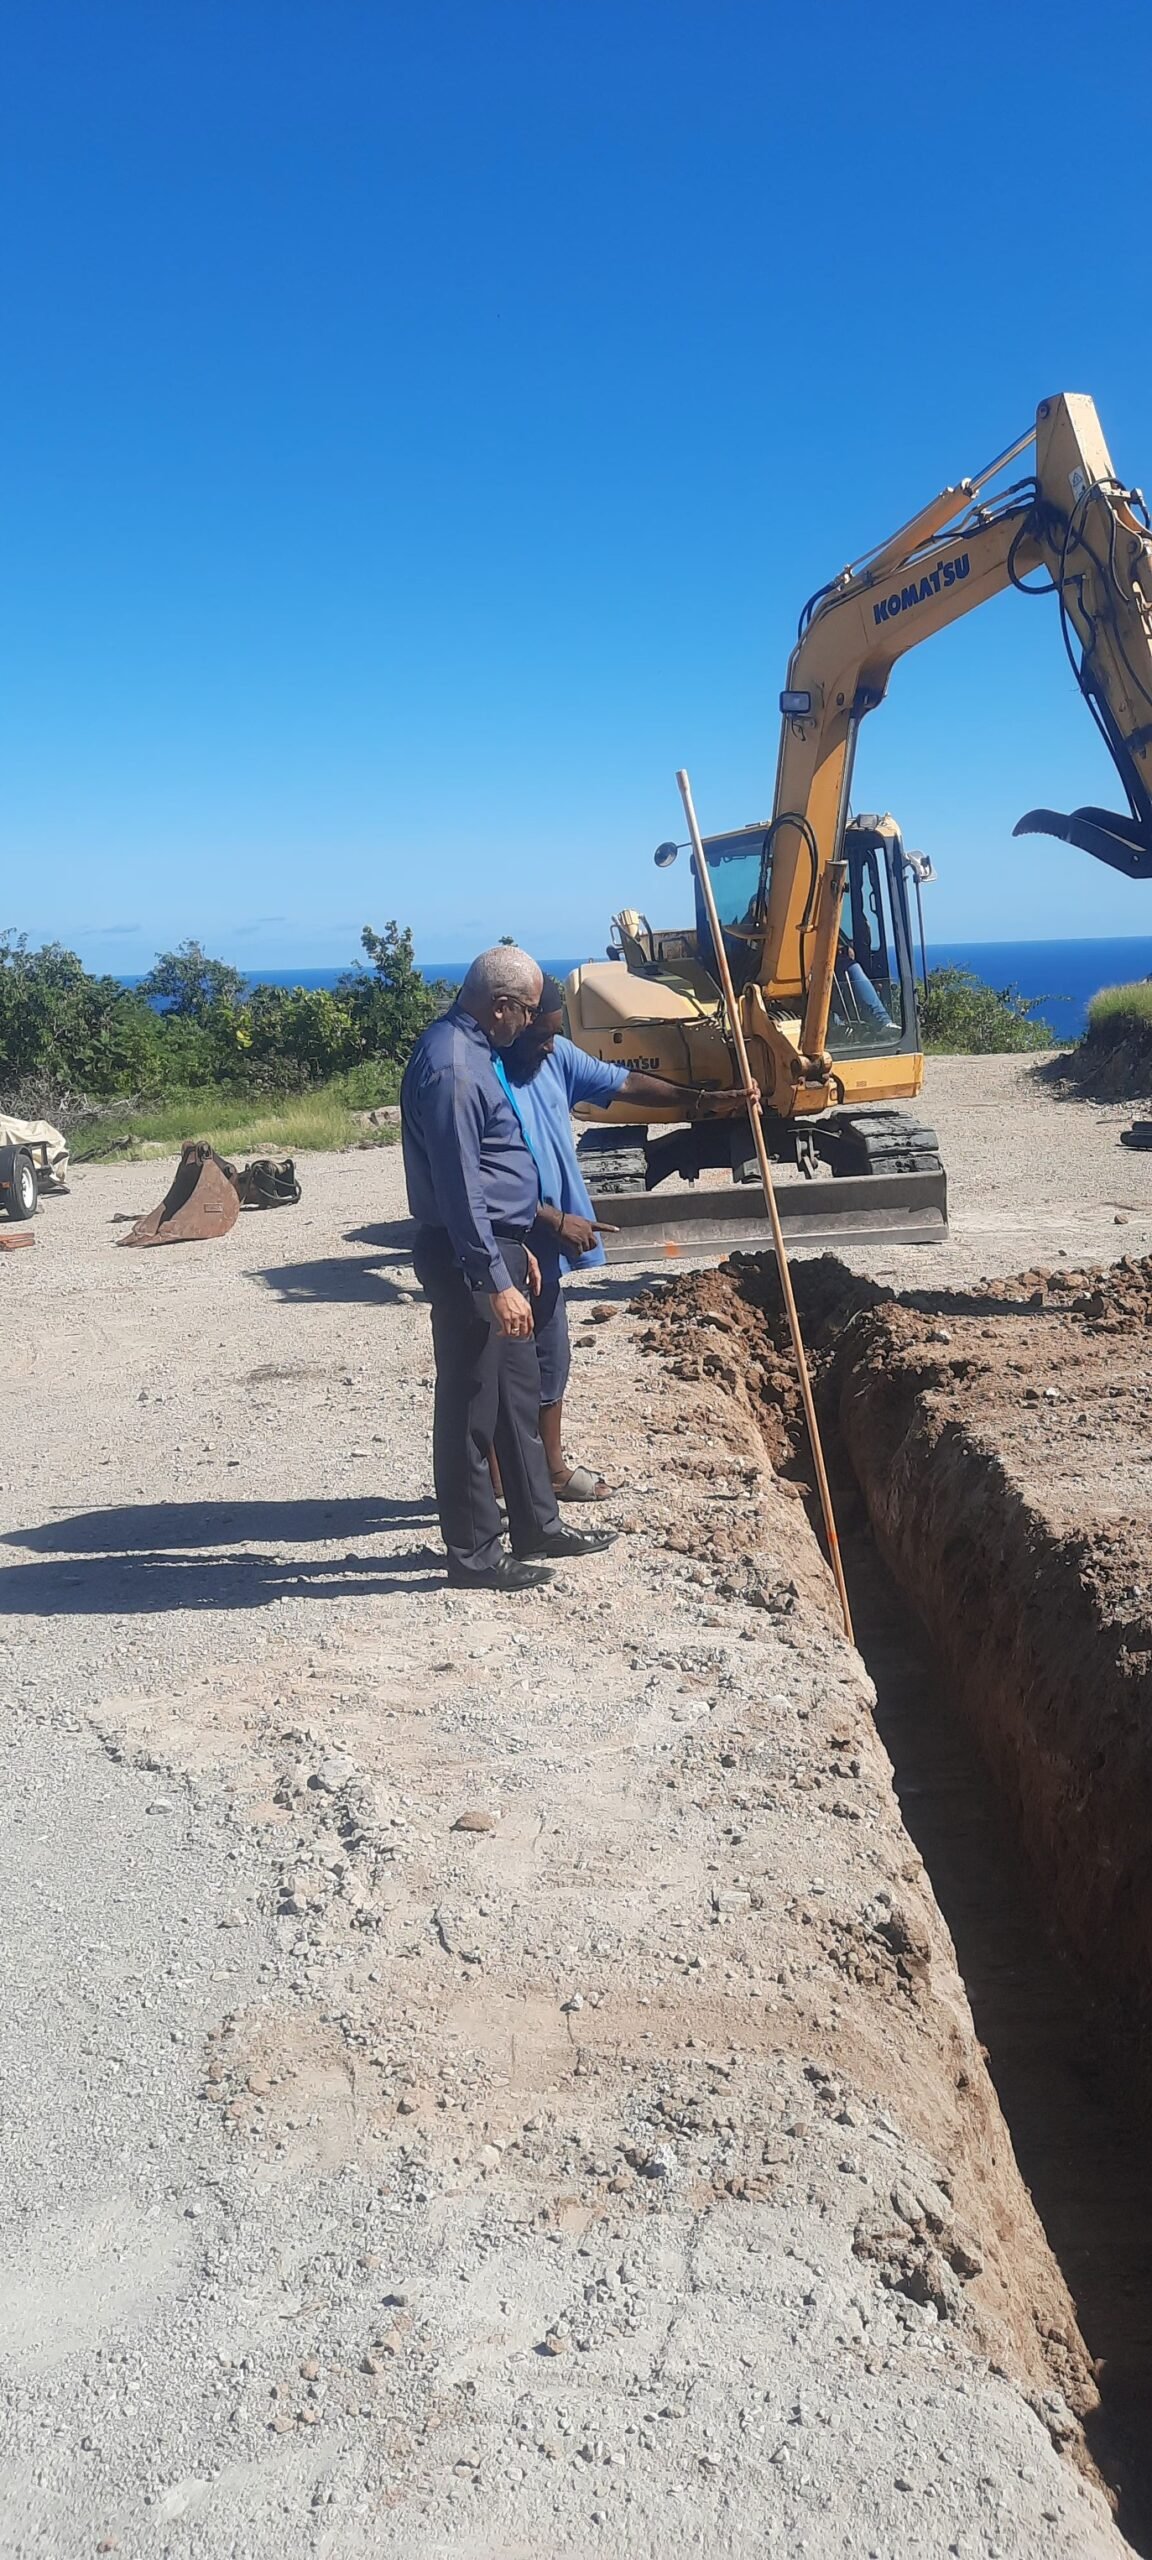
545	1107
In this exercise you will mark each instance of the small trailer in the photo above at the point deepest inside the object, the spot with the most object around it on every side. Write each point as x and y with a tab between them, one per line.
33	1158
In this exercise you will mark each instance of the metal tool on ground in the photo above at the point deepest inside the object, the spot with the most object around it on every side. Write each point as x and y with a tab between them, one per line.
737	1033
207	1194
202	1200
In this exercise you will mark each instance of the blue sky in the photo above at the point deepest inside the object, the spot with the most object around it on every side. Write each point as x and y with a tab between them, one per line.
425	422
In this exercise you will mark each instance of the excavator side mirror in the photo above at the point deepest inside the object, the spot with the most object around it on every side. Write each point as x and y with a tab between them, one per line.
665	855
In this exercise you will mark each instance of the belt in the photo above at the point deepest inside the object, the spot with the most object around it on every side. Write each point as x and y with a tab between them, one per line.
505	1235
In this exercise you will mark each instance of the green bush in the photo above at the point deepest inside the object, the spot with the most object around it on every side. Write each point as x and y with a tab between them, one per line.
366	1086
56	1022
962	1015
1117	1009
311	1026
63	1031
188	982
391	1004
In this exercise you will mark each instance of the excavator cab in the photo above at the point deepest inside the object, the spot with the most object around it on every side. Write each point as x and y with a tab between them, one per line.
873	1007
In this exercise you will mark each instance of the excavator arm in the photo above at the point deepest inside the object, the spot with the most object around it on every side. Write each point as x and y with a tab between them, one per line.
1072	526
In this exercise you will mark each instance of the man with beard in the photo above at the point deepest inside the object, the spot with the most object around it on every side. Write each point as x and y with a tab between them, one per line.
546	1078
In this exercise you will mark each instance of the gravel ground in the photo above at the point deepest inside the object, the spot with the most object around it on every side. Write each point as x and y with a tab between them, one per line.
1029	1175
615	2173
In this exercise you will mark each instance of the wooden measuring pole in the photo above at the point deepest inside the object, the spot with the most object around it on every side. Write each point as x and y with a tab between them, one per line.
737	1030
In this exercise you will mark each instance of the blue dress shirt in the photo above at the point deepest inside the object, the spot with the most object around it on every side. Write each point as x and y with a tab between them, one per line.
466	1161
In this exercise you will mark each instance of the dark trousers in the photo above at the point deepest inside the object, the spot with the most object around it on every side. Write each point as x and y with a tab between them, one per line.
487	1397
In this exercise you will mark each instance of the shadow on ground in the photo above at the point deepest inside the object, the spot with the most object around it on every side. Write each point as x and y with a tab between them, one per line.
341	1279
600	1284
143	1528
397	1233
194	1555
365	1280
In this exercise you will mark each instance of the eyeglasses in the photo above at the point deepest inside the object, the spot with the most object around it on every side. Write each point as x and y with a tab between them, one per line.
531	1012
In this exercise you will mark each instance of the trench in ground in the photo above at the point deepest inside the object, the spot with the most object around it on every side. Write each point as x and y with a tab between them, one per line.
1077	2129
1076	2111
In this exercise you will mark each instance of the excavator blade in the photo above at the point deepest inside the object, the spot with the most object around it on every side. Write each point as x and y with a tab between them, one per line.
702	1225
202	1200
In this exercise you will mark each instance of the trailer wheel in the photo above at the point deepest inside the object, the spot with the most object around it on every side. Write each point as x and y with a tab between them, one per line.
21	1194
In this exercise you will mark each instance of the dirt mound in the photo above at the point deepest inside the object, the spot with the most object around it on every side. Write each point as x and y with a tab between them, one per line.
1113	1064
1118	1300
729	1326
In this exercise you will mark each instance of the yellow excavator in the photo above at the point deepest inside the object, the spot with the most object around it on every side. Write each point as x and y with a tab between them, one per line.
814	903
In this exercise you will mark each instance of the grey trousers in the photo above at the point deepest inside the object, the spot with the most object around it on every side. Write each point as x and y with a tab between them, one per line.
487	1397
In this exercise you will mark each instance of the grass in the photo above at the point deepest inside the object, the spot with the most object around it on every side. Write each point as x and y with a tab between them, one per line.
237	1125
1118	1008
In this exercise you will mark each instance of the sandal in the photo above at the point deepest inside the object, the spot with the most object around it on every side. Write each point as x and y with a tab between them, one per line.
583	1485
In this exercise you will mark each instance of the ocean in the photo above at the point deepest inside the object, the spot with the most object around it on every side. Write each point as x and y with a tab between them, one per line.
1060	977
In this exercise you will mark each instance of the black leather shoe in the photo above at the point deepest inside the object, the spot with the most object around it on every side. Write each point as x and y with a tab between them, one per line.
564	1545
510	1574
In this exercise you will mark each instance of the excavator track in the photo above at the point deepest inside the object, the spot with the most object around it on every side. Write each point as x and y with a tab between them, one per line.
886	1184
856	1142
615	1159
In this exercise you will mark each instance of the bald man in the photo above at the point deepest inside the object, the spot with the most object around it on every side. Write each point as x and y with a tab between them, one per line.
474	1191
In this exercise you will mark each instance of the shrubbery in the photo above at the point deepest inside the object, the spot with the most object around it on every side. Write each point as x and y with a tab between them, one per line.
60	1026
192	1023
959	1013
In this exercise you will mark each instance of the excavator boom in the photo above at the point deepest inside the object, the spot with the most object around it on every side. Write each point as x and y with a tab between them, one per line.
1073	521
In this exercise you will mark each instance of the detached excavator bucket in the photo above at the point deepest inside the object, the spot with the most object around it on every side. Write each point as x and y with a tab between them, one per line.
201	1201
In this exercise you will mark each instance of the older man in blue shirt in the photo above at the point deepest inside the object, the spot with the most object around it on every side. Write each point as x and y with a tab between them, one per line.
474	1190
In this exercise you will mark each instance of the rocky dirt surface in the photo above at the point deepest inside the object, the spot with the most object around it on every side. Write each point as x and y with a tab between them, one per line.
1032	1174
487	2078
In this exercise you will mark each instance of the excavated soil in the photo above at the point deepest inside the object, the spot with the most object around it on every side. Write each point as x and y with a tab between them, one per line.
999	1438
